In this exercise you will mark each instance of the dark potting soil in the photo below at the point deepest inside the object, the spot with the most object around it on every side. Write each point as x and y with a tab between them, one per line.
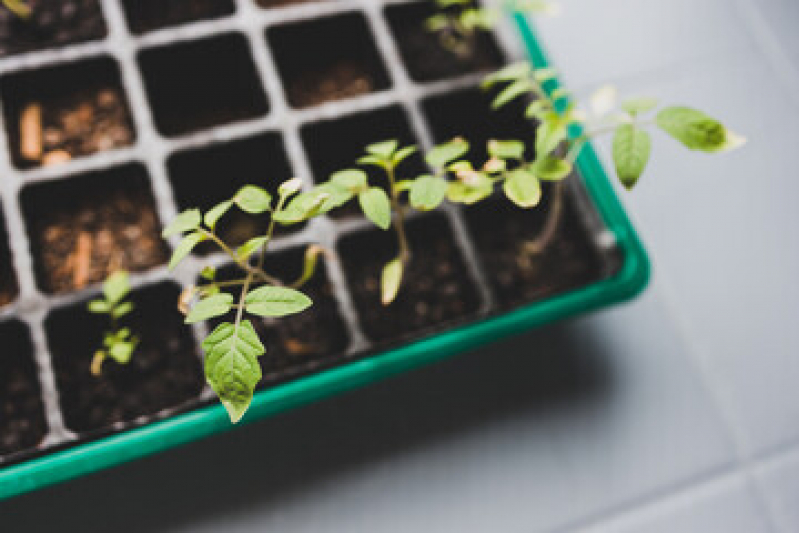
84	228
436	291
327	59
8	279
500	230
206	176
56	114
165	370
305	342
334	145
423	53
22	422
51	23
148	15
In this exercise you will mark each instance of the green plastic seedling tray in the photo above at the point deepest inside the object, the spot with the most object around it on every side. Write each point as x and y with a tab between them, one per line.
630	279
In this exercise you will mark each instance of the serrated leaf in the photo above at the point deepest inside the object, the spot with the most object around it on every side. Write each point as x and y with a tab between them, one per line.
231	365
350	179
511	92
276	301
522	188
188	220
549	135
376	206
550	168
427	192
509	73
631	149
253	200
116	287
99	307
390	281
443	154
185	247
511	149
637	106
692	128
384	150
248	248
213	215
209	307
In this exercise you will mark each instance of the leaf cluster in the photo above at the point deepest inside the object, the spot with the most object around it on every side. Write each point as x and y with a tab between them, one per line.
118	342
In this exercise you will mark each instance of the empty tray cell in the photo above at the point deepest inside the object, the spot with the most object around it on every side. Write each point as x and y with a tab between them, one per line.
59	113
51	23
437	292
327	59
22	422
298	344
204	177
268	4
200	84
467	113
164	370
82	229
333	145
148	15
8	279
502	232
423	52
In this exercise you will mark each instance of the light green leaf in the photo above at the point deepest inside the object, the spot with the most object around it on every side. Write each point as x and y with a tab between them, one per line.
336	196
373	161
427	192
188	220
215	213
302	207
309	263
543	75
384	150
443	154
209	307
506	149
116	287
390	281
231	365
550	168
98	307
121	352
402	154
511	72
350	179
538	109
185	247
511	92
276	301
208	273
461	193
376	206
251	246
522	188
631	149
289	187
637	106
692	128
122	309
549	135
252	199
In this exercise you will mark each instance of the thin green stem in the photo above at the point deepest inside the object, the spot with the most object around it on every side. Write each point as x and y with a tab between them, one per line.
242	263
399	225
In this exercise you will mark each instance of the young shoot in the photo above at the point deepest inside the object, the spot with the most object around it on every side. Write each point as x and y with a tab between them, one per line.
118	342
458	23
233	348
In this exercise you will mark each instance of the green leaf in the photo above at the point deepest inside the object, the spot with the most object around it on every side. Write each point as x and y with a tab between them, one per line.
543	75
248	248
538	109
637	106
253	200
231	365
511	92
309	263
276	301
692	128
215	213
506	149
99	307
372	160
402	154
302	207
443	154
522	188
185	247
427	192
122	309
550	168
631	149
376	206
121	352
116	287
351	179
384	150
549	135
336	196
209	307
461	193
289	187
208	273
511	72
390	281
188	220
